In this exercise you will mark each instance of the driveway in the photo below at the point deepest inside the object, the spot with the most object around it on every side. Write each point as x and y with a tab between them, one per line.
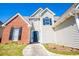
37	50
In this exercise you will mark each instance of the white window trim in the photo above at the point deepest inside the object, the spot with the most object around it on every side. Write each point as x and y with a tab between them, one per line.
14	33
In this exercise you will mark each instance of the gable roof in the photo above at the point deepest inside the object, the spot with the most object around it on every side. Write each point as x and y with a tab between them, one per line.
14	17
1	23
77	6
27	19
45	10
37	11
66	15
56	18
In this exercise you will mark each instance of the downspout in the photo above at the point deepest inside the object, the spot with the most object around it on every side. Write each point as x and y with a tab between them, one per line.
76	19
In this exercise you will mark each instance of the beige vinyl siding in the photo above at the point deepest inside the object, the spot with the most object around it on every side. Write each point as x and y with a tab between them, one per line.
47	34
67	33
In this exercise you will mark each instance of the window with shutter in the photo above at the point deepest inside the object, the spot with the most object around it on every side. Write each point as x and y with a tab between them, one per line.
47	21
15	34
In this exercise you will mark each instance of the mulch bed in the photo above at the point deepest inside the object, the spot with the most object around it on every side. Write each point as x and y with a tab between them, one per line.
62	48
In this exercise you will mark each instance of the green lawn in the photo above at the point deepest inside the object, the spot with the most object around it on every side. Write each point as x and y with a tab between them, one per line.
11	49
60	52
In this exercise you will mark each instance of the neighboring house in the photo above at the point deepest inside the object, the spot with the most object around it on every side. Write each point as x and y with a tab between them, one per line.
67	28
1	28
44	26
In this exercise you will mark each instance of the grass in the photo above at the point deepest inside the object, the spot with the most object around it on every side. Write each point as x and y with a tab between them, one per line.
11	49
60	52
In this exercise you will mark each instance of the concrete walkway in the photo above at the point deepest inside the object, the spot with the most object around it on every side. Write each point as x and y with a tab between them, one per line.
37	50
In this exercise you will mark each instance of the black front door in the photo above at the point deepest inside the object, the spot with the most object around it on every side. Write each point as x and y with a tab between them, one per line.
35	36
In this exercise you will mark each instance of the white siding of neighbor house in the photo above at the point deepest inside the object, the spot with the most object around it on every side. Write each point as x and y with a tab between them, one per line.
67	33
47	34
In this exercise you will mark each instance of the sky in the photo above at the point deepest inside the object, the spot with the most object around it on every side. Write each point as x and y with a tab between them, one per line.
7	10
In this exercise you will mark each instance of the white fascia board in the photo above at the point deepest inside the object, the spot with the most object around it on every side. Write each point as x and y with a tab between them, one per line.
14	17
9	20
50	11
77	6
24	19
40	9
46	9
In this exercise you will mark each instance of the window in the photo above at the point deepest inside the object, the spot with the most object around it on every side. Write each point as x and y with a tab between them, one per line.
47	21
15	34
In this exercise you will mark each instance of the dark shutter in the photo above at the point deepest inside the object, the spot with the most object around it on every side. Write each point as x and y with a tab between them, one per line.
20	32
43	21
47	21
50	21
11	34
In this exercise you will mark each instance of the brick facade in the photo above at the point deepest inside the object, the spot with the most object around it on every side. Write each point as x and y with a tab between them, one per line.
16	22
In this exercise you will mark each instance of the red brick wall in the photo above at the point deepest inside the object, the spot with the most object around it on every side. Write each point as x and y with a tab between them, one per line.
16	22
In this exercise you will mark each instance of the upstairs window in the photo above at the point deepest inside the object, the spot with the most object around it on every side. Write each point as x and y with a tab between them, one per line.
47	21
